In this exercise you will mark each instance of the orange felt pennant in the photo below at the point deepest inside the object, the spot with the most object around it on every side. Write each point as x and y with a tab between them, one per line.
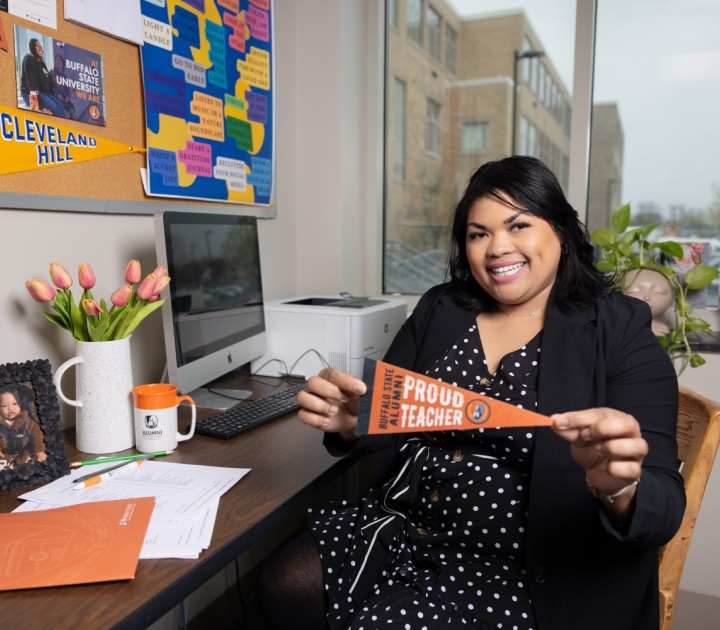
401	401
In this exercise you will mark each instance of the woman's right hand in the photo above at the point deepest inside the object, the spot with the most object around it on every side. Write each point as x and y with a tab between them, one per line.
331	403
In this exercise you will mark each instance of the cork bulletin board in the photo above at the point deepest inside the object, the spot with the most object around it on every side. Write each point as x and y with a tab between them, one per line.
111	184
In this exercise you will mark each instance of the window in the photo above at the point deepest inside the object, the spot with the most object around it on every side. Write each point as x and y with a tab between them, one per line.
415	21
527	45
392	13
434	23
544	149
447	100
565	175
548	90
534	74
524	124
475	137
567	116
450	48
541	83
399	131
555	160
532	141
432	133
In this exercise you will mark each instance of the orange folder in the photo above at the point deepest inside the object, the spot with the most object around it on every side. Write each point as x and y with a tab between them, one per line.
92	542
401	401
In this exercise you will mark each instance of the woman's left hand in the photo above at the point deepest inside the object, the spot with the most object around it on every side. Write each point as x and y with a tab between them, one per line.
608	444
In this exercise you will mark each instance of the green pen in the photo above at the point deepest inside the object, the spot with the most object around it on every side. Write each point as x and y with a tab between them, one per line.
121	458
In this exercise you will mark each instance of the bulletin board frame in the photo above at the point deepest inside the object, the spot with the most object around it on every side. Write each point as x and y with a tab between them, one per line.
109	185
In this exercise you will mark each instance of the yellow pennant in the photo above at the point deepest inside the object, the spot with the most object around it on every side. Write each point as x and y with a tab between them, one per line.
30	143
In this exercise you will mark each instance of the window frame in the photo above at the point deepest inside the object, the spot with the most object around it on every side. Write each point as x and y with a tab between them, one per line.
432	127
419	28
575	112
450	44
484	124
434	33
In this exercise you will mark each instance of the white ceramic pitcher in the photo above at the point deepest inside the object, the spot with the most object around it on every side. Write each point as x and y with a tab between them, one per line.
104	382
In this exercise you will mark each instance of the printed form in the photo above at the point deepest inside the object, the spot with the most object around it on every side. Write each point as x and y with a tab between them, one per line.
186	502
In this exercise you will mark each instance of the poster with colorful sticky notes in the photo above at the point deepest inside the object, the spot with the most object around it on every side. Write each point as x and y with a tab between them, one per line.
208	78
401	401
59	79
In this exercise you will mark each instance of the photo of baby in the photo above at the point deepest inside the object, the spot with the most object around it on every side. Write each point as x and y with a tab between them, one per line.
21	439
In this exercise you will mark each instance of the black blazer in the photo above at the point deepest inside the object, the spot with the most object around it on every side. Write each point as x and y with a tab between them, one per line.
584	573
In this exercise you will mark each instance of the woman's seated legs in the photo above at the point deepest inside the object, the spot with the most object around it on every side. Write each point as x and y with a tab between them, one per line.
290	588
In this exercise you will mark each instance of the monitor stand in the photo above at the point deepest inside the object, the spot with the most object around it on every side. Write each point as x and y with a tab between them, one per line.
217	398
213	397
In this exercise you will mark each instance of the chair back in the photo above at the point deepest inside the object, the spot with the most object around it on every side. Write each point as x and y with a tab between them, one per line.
698	436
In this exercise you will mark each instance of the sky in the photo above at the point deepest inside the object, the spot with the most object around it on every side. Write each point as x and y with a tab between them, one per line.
659	60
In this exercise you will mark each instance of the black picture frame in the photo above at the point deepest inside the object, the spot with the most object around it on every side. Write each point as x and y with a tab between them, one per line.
47	410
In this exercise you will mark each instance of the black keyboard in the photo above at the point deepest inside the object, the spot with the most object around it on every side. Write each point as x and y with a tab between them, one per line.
233	422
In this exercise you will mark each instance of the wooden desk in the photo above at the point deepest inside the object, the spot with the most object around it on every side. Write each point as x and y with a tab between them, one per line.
289	465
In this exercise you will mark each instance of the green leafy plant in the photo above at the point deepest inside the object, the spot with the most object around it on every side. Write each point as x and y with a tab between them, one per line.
625	250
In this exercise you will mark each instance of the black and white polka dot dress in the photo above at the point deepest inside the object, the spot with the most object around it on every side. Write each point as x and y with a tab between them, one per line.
443	542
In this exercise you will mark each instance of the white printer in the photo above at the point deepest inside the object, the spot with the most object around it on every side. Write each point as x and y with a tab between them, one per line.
342	330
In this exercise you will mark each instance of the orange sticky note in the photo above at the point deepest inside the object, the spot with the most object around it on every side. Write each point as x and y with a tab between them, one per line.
401	401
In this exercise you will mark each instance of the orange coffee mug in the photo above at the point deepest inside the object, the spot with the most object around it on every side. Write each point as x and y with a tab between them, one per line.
156	417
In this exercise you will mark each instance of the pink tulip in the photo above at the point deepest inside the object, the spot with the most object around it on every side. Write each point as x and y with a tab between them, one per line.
145	290
160	284
40	291
160	272
91	307
86	276
132	272
121	296
153	298
60	277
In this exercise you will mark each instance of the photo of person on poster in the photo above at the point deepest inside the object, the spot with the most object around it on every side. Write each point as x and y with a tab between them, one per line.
36	83
57	78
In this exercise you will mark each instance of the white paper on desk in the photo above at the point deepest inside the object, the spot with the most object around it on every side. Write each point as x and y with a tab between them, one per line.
165	537
181	491
118	18
43	12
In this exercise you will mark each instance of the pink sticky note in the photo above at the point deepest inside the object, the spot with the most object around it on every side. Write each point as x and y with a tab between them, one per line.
197	158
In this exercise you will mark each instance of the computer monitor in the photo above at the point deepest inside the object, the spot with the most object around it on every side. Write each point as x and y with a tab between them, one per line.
214	320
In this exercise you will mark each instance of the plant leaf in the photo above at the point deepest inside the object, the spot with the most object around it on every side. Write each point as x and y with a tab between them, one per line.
663	341
79	321
696	361
632	235
625	249
604	237
605	266
670	247
700	276
56	319
647	230
97	333
621	219
140	315
665	270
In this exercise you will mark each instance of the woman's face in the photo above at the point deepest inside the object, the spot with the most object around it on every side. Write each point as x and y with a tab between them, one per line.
39	49
514	256
9	407
58	64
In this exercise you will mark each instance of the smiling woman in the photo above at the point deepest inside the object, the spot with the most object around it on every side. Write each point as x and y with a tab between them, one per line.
521	528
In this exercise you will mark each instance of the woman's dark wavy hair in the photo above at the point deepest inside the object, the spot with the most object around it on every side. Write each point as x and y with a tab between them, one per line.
535	189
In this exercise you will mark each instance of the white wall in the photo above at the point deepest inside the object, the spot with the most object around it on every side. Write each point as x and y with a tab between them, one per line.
318	242
325	237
